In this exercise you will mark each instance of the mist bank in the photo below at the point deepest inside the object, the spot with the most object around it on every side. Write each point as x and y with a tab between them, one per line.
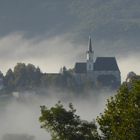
52	53
19	114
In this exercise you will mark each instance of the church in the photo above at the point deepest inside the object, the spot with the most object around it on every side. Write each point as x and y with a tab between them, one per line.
102	71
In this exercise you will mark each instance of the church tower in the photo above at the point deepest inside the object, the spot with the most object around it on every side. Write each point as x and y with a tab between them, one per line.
90	60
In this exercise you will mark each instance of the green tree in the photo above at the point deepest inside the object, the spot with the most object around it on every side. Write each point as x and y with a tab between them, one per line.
33	75
121	118
23	77
66	125
9	80
20	75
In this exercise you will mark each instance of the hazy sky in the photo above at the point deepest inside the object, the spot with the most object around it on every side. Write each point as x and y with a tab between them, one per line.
30	33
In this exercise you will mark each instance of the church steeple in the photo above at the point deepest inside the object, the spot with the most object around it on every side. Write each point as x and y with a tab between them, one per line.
90	60
90	52
90	45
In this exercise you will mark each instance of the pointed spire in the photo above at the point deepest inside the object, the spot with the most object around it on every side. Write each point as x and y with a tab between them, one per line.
90	45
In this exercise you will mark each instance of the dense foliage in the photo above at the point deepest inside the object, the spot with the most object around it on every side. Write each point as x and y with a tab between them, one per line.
30	78
121	118
22	77
66	125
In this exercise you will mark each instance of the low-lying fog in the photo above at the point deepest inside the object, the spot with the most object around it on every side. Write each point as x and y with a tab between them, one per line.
19	115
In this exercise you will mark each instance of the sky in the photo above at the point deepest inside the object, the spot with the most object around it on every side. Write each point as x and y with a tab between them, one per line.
29	33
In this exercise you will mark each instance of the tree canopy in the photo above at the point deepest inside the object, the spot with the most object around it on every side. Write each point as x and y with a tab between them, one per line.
22	77
66	125
27	77
121	118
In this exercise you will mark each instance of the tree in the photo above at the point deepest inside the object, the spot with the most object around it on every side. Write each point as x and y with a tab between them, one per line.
23	77
33	75
66	125
121	118
9	80
20	75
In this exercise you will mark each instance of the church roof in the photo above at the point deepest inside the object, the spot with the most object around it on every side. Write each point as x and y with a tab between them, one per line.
80	68
101	64
106	64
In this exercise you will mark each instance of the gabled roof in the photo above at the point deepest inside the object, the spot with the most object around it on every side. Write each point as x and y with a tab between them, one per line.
101	64
106	64
80	68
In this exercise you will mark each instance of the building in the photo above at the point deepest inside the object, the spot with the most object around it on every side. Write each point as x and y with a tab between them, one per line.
102	71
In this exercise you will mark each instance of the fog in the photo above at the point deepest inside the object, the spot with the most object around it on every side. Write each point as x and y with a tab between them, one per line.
50	54
19	115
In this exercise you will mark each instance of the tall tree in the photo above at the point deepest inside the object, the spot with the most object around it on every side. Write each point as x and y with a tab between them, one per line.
9	80
121	118
20	75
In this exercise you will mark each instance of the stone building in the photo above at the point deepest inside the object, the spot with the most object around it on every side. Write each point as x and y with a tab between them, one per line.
102	71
